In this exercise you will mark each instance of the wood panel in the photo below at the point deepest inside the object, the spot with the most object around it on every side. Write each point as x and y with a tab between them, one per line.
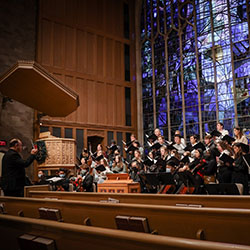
58	45
99	55
100	15
91	16
59	76
109	58
70	48
80	13
118	16
81	42
82	89
81	48
102	109
119	59
90	53
46	42
119	105
67	236
113	17
110	103
91	102
229	225
47	8
219	201
58	9
70	82
70	13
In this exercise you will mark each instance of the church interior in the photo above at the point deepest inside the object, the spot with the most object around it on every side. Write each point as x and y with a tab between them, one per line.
143	106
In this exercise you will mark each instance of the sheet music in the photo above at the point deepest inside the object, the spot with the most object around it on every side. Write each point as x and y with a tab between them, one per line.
55	179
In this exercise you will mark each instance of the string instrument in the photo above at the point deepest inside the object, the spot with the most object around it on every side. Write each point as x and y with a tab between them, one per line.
90	149
127	144
89	161
78	185
185	190
167	189
199	165
60	188
170	189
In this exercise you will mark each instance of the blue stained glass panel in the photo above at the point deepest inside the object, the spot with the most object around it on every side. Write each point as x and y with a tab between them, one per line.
205	71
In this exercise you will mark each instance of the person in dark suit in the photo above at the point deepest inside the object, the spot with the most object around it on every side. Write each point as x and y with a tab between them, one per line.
13	169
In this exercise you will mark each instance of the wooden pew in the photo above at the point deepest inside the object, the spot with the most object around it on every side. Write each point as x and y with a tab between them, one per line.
27	189
223	201
213	224
69	236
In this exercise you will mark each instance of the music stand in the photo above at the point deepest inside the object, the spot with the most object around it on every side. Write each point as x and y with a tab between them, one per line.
152	179
222	189
150	182
168	185
166	178
186	178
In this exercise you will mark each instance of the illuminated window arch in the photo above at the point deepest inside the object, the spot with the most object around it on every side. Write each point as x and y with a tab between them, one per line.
195	65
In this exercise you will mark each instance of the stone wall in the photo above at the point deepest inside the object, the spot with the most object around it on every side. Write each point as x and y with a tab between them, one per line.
17	42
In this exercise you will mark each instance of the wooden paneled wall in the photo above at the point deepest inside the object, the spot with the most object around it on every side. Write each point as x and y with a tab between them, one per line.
82	43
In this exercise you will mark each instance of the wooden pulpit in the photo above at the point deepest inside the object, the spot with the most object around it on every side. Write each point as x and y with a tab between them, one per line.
61	153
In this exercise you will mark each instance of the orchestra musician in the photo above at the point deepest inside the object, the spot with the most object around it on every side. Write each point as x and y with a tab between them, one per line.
210	169
84	154
64	184
197	169
87	177
135	171
100	150
170	167
205	167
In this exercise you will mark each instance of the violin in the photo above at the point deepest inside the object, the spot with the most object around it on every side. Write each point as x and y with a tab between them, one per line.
167	189
199	165
186	190
89	161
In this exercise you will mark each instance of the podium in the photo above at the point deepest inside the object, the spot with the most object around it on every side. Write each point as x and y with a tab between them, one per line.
118	183
61	153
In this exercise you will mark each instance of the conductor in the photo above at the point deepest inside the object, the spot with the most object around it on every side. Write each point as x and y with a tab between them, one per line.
13	169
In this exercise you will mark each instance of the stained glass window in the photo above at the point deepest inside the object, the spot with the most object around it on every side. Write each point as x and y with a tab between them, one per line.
195	65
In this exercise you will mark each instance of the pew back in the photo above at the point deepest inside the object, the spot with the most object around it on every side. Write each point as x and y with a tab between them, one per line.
223	201
214	224
69	236
27	189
